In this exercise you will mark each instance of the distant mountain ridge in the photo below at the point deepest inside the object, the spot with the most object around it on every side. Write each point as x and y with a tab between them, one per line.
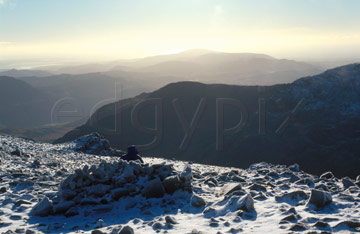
324	130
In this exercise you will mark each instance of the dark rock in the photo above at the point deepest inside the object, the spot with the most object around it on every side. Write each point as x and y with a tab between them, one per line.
16	152
246	203
29	231
298	227
295	167
62	207
327	175
171	184
170	219
99	190
258	187
119	192
291	217
22	202
3	190
347	182
157	225
43	208
72	212
321	224
154	189
319	198
230	188
211	180
97	231
294	178
348	223
292	197
197	201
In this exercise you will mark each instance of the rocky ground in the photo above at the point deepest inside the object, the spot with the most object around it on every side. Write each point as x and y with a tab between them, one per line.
69	187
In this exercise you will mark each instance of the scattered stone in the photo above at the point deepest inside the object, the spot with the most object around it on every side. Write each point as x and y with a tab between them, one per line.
211	181
97	231
298	227
197	201
257	187
16	152
171	184
290	218
246	203
230	188
348	223
347	182
319	198
321	224
71	212
43	208
327	175
170	219
3	190
292	198
154	189
62	207
295	167
157	225
29	231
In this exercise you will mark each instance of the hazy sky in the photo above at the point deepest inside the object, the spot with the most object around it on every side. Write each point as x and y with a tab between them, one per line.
115	29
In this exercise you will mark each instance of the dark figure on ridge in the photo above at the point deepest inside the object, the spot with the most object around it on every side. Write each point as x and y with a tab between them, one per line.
132	154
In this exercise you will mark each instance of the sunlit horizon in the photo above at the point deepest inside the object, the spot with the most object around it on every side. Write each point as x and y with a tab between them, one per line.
113	30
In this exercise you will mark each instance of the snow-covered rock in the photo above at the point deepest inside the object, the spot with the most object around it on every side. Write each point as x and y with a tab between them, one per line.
43	208
86	193
154	188
319	198
197	201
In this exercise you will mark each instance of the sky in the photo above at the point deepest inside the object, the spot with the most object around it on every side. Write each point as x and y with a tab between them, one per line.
121	29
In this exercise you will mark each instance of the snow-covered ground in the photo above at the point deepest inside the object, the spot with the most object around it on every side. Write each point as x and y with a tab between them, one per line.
48	188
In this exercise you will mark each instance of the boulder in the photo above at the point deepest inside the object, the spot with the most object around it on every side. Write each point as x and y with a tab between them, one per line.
62	207
211	181
246	203
347	182
257	187
319	198
43	208
16	152
154	189
295	167
171	184
119	192
169	219
72	212
98	190
292	198
327	175
197	201
126	230
230	187
97	231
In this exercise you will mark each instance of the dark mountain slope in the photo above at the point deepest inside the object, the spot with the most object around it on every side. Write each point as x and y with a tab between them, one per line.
322	134
22	105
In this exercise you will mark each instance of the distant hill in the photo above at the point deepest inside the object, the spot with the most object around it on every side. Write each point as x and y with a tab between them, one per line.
24	73
29	105
203	66
23	105
324	130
